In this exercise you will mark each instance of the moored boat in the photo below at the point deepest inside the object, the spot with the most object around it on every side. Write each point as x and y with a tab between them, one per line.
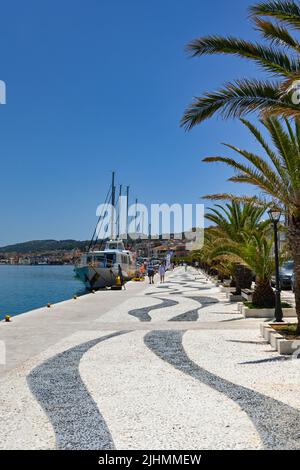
100	268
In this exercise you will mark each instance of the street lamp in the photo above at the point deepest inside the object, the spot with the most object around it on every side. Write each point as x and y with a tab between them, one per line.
275	215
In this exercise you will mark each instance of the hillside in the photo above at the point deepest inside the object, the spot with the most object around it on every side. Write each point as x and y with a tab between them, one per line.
35	246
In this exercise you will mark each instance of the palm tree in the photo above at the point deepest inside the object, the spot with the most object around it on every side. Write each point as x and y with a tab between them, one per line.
231	222
256	252
276	174
280	59
241	233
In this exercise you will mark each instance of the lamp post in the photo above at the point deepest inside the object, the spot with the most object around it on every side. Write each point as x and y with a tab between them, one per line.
275	215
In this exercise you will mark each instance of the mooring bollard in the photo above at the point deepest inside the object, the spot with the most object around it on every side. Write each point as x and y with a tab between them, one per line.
7	318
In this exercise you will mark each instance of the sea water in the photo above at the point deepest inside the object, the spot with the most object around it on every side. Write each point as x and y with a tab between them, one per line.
24	288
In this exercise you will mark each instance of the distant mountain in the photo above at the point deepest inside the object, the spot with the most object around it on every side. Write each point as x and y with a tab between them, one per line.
35	246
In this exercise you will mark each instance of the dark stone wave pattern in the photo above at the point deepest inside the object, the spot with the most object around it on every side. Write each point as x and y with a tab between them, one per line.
278	424
143	313
207	287
74	415
191	315
203	300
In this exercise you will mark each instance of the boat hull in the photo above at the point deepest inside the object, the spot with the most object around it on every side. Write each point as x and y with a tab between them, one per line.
98	278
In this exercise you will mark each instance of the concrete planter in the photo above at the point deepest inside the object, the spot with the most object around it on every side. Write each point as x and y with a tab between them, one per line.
247	294
265	312
227	289
234	298
239	307
277	340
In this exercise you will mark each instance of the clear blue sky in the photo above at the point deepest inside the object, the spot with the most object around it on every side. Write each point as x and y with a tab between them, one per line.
98	85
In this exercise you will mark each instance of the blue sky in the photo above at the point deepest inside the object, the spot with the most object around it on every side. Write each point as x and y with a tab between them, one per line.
95	86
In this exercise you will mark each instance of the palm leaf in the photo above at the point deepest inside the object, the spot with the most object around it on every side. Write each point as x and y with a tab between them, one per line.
251	176
270	58
282	10
238	99
277	34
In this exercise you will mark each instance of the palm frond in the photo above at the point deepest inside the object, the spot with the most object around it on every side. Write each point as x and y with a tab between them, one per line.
285	145
269	58
258	201
282	10
277	34
251	176
262	166
277	162
238	99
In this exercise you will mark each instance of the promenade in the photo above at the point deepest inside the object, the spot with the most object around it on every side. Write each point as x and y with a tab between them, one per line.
169	366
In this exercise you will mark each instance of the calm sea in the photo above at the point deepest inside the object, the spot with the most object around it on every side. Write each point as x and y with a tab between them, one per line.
24	288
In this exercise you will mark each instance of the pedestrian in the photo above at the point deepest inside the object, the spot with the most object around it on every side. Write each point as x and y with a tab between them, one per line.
120	274
162	272
151	273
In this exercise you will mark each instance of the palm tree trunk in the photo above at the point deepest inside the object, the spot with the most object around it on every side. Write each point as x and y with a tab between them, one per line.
263	295
294	240
243	278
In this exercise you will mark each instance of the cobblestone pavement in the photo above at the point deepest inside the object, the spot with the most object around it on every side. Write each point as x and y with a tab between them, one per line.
169	366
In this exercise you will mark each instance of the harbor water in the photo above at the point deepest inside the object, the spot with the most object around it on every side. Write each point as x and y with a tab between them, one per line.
24	288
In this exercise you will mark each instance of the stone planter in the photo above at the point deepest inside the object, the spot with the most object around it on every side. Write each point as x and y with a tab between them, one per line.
239	307
278	341
234	298
227	290
265	312
247	294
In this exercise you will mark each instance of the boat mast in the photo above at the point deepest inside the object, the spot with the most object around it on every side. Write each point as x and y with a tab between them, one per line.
120	194
149	240
113	203
135	221
127	210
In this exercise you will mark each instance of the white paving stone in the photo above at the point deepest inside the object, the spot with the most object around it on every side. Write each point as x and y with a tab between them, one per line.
219	388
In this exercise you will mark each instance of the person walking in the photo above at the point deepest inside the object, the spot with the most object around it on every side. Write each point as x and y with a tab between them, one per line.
120	274
162	272
151	273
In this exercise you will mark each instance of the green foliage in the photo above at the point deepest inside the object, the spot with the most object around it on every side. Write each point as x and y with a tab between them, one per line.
276	172
277	55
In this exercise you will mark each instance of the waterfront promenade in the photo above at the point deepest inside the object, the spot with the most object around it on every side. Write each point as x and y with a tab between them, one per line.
170	366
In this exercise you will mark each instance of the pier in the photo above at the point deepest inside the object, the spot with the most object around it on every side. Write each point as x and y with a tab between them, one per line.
163	366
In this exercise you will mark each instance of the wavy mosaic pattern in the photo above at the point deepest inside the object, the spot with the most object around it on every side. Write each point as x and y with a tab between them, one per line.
57	386
191	315
143	313
263	411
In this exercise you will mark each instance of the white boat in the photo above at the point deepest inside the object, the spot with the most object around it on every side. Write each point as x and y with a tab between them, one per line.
98	269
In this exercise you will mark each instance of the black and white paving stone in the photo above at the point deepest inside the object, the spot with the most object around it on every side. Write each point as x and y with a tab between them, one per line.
171	367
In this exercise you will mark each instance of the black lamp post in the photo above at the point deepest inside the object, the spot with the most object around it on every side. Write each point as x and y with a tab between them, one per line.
275	215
